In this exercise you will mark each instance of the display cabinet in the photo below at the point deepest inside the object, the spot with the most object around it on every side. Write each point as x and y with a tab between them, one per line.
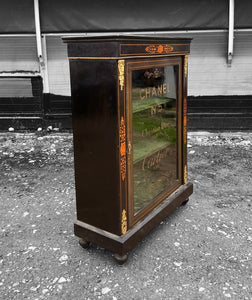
130	133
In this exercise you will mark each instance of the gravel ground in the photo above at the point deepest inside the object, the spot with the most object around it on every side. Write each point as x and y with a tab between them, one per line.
202	251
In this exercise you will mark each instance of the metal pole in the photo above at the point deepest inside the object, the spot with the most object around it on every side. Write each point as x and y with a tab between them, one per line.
231	32
38	31
44	68
41	49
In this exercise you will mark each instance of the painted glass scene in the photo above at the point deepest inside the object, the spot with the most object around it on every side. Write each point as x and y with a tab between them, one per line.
154	118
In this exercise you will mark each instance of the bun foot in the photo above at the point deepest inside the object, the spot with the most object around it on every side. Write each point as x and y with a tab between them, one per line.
185	202
84	244
120	259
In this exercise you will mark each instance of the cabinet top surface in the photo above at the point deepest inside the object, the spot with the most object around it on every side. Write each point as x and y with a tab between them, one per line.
120	46
124	39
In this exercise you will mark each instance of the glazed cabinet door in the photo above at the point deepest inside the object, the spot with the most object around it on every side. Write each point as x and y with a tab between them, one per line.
154	118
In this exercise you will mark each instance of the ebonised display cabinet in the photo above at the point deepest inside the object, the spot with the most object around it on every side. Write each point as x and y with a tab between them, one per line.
129	105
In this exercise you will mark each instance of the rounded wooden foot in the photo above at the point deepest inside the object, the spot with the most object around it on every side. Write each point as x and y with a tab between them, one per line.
185	202
84	244
120	259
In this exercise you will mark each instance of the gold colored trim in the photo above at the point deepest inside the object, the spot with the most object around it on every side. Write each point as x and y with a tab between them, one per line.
129	148
185	174
124	222
186	65
121	73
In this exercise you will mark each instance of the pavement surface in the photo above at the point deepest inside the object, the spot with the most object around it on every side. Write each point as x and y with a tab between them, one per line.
201	251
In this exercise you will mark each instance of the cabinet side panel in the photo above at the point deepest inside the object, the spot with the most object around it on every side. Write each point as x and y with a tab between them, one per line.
95	126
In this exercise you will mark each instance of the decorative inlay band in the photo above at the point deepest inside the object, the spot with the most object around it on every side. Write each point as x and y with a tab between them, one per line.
122	134
159	49
185	121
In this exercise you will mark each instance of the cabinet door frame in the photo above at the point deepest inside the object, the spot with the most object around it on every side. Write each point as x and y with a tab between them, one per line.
132	65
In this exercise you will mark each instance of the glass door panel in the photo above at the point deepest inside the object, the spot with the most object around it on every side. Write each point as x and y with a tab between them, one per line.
154	132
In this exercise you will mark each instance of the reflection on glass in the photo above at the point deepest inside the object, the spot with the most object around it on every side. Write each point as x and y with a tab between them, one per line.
154	94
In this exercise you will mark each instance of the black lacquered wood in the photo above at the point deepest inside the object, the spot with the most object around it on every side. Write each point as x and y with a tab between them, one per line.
101	68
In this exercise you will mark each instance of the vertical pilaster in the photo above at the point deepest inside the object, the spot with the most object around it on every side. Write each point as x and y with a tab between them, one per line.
122	145
185	119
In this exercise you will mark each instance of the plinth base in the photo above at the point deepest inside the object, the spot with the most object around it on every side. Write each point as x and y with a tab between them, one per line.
121	245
